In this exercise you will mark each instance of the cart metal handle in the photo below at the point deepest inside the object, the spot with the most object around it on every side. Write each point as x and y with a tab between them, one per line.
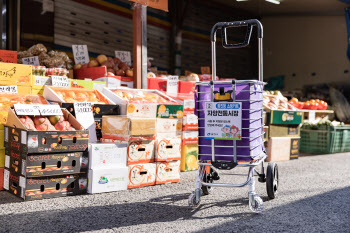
245	23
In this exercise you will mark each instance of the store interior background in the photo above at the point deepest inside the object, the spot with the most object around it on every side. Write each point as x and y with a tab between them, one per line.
304	41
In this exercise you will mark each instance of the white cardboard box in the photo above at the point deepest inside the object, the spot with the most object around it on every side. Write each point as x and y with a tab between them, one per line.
142	175
168	149
168	172
108	180
140	151
166	125
107	155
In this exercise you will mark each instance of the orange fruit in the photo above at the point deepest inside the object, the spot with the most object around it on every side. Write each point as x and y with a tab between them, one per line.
179	114
131	108
162	109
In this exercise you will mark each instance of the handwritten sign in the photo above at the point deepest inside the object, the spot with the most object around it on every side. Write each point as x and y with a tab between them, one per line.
60	81
124	56
8	56
81	54
84	115
205	69
50	110
34	61
9	89
26	109
171	87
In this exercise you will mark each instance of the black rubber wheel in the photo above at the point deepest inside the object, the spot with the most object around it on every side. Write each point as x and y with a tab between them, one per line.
207	179
272	180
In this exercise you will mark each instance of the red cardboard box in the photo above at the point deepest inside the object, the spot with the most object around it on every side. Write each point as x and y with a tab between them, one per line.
186	87
1	178
157	83
90	73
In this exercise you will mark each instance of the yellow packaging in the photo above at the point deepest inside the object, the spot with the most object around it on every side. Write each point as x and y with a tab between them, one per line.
189	158
2	137
2	158
37	90
24	89
15	74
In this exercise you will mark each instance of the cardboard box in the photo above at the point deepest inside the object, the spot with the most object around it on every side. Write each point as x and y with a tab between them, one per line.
36	188
2	138
284	130
97	85
285	117
187	100
168	172
107	155
190	122
190	138
1	178
24	90
2	157
46	164
157	83
165	125
141	175
282	148
186	87
90	73
168	149
117	81
189	158
140	152
18	138
108	179
15	74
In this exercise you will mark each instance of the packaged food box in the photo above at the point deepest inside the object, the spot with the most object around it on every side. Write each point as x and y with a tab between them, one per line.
36	188
186	87
284	130
1	178
158	83
117	81
285	117
168	172
190	122
90	73
108	179
107	155
74	95
187	100
166	125
282	148
140	151
168	149
77	83
141	175
19	138
24	90
138	103
46	164
189	157
15	74
190	137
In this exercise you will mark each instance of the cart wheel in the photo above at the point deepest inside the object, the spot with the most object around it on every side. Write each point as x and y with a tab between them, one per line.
257	204
272	180
207	189
193	202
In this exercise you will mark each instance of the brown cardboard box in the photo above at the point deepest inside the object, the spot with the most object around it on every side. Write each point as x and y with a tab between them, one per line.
282	148
284	130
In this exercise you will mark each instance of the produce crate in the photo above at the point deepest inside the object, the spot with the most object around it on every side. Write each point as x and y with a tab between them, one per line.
325	140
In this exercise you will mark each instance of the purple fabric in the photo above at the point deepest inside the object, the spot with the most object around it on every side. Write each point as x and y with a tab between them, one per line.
247	148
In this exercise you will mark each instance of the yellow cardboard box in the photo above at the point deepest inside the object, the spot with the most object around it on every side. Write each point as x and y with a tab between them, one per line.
189	158
37	90
2	138
15	74
24	89
2	157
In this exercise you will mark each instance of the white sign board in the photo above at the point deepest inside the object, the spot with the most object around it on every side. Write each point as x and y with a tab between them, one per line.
60	81
50	110
84	115
9	89
81	54
34	61
124	56
312	116
171	86
26	109
223	120
42	80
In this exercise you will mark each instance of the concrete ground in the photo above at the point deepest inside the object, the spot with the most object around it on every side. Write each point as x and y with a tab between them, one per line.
314	196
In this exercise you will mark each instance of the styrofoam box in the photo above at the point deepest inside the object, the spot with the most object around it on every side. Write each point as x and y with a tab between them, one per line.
108	180
107	155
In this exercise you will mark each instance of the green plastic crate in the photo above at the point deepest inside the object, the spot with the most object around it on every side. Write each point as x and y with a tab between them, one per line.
326	140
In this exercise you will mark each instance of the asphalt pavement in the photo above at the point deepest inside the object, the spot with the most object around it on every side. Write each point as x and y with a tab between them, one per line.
314	196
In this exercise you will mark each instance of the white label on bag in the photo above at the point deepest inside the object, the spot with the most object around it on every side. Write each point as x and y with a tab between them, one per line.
60	81
9	89
81	54
124	56
50	110
223	120
171	87
34	61
83	114
26	109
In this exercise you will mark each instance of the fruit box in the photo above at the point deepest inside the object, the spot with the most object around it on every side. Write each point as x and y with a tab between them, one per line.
284	130
285	117
158	83
140	152
190	122
74	95
189	137
187	100
1	178
46	164
282	148
77	83
24	90
186	87
141	175
107	155
165	125
189	158
117	81
168	172
90	73
18	138
138	103
168	149
36	188
108	180
15	74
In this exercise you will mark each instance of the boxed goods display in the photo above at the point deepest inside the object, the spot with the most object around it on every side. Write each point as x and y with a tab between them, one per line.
284	130
117	81
190	137
108	179
190	122
187	100
76	83
186	87
46	164
107	155
189	157
165	125
90	73
45	187
282	148
144	103
15	74
1	178
158	83
168	172
284	117
141	175
168	149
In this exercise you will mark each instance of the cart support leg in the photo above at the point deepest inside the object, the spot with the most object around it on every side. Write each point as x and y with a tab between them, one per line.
252	181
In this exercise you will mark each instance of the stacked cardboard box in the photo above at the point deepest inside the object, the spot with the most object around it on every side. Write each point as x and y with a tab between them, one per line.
45	164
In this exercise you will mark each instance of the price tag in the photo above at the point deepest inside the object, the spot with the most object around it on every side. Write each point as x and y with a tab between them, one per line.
124	56
312	116
171	87
205	69
34	61
26	109
60	81
9	89
50	110
42	80
223	120
8	56
83	114
81	54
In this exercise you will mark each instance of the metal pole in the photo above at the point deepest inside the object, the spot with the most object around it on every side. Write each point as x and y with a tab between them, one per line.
261	76
144	46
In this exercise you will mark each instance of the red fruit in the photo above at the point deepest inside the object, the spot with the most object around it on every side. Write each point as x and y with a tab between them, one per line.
121	64
129	73
110	71
101	58
62	125
42	127
120	73
116	60
313	106
109	59
92	63
84	66
77	66
115	69
38	120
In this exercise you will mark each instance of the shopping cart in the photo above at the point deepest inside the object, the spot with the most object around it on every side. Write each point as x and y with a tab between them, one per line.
230	118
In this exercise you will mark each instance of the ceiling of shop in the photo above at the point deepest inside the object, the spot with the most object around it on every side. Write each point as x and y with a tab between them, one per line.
288	7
